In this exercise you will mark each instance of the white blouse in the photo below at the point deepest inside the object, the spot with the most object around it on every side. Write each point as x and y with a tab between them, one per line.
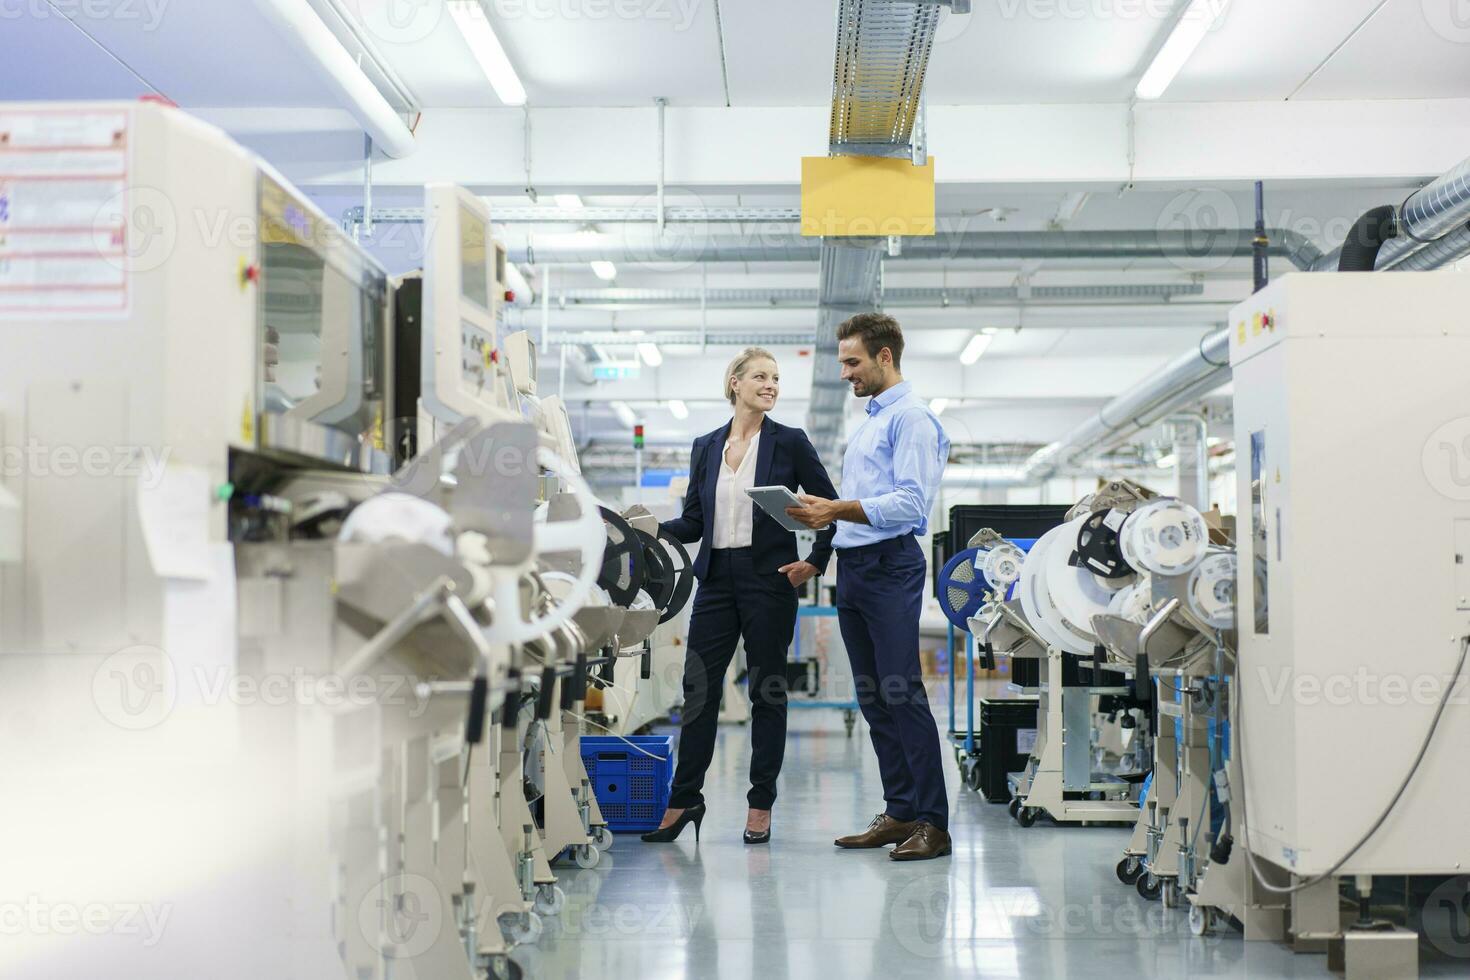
734	510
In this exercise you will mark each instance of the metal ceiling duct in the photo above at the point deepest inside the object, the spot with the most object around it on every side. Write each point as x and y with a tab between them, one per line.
1444	252
1437	213
1190	250
907	298
878	78
882	55
1427	218
852	282
1183	380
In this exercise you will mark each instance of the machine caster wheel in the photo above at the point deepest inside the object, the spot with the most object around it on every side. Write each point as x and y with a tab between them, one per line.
525	929
550	900
1026	816
1129	869
970	774
587	856
1171	893
1150	887
1201	920
1014	807
602	839
502	967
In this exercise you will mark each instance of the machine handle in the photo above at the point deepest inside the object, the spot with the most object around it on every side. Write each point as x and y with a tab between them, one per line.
586	534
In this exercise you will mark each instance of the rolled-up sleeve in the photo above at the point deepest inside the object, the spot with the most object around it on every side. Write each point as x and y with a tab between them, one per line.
918	465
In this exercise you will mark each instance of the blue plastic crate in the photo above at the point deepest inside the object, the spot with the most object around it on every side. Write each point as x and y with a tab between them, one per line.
632	788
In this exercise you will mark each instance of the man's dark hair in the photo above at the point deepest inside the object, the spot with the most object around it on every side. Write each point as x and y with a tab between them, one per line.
878	330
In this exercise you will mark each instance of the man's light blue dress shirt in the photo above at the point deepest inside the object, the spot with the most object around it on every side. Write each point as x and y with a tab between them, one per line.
892	467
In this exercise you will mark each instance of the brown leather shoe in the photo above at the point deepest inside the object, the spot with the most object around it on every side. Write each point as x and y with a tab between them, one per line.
884	830
927	842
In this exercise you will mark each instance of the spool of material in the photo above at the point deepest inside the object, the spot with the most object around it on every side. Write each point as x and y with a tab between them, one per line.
1098	549
1211	591
1165	537
1076	594
1001	565
399	517
1036	599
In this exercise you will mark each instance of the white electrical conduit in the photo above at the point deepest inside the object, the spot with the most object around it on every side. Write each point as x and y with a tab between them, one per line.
319	48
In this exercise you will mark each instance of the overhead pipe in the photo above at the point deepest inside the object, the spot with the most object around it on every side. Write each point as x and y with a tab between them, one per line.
316	46
765	245
1424	219
1435	217
1179	383
1366	239
921	297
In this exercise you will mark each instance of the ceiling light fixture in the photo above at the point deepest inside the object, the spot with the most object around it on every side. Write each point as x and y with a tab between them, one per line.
472	21
1197	20
605	270
978	345
625	414
651	355
938	405
569	202
678	409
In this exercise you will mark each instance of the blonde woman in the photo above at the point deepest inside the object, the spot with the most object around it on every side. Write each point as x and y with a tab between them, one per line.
748	573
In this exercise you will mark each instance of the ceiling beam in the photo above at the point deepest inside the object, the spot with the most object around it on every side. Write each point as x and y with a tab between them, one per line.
606	150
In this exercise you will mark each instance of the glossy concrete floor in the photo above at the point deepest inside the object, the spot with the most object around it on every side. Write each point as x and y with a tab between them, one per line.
1011	902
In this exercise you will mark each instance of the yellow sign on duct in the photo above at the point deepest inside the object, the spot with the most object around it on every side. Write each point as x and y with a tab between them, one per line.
866	197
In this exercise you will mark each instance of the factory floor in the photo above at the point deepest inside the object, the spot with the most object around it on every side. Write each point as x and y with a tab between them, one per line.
1010	902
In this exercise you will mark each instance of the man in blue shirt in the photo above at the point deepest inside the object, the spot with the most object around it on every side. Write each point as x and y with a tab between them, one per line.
891	473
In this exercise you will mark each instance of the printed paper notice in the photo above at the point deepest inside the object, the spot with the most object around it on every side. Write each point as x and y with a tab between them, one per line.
66	239
174	513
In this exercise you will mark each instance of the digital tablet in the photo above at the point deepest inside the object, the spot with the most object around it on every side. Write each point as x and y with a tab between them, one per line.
774	501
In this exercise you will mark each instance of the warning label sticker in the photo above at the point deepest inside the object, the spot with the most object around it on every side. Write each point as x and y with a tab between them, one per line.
66	232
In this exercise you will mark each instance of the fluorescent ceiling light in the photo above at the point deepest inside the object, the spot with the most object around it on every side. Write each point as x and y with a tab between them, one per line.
569	202
469	16
1167	462
938	405
1191	28
678	409
605	270
651	355
977	346
625	414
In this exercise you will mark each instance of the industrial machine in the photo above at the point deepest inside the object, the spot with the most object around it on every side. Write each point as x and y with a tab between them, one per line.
316	475
1327	368
1065	579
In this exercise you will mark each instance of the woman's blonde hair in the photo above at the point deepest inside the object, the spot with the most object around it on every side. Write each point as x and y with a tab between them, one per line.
738	366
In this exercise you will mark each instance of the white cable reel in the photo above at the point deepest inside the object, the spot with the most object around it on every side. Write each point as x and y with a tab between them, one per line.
1165	537
1076	593
1036	596
585	535
1001	566
1211	591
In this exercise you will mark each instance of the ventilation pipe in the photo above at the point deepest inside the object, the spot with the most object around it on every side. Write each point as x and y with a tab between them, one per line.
316	46
1366	239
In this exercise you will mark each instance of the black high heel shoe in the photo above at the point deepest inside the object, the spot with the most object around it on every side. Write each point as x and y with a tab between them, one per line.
757	836
669	834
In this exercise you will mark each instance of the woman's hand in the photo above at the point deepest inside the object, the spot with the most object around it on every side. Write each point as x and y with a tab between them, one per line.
798	572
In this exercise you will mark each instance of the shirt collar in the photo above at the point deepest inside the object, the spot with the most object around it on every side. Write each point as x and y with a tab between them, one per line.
877	403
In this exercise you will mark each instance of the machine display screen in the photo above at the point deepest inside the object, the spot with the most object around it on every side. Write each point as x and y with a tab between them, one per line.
474	266
322	314
1259	541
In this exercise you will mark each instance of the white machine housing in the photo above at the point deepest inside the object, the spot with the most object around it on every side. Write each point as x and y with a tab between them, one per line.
1351	417
464	375
166	299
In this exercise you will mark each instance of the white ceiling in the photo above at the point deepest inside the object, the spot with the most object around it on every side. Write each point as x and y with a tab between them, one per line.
1036	381
210	53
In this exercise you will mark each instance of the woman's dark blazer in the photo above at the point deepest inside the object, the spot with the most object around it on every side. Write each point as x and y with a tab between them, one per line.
785	457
